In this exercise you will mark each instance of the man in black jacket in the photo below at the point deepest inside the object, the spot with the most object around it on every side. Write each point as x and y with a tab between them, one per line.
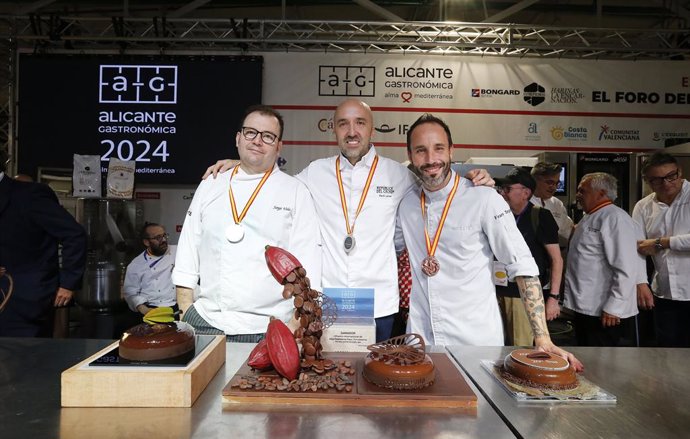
32	225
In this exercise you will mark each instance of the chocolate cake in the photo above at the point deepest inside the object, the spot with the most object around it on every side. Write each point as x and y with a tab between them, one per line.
393	375
158	342
399	363
532	368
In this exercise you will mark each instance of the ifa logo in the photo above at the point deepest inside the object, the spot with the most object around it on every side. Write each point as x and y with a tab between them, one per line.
137	84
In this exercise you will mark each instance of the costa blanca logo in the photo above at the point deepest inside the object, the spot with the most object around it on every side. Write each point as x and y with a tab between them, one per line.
534	94
571	133
610	134
347	81
137	84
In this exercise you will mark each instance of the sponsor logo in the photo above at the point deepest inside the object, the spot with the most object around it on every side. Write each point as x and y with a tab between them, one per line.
533	132
385	128
135	84
570	133
566	95
347	81
281	161
611	134
663	135
325	125
534	94
491	92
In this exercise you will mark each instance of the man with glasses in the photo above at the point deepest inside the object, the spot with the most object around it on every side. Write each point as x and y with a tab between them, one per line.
357	194
664	216
230	222
547	175
148	282
540	231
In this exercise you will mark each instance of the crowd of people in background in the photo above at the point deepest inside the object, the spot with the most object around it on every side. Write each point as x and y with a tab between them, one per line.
486	267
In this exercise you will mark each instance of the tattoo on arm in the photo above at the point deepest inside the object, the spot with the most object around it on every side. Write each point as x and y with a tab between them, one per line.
533	299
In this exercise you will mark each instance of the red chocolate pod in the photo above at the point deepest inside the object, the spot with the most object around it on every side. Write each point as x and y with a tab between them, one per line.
282	349
259	358
280	262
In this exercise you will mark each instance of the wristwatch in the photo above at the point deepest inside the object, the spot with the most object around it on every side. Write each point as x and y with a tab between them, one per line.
657	244
554	296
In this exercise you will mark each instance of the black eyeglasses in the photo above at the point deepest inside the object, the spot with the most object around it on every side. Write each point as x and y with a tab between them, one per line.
657	181
159	238
266	136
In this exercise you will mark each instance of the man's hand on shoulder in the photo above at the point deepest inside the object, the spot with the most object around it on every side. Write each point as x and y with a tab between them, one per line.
480	177
220	167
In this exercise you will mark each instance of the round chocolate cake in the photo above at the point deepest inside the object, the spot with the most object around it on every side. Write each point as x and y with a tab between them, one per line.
395	375
158	342
533	368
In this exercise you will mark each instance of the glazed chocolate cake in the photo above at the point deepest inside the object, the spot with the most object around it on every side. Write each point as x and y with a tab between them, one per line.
399	363
158	342
532	368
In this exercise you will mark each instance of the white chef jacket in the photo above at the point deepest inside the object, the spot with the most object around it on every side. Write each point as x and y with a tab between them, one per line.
458	305
672	276
148	280
237	293
603	264
372	263
557	209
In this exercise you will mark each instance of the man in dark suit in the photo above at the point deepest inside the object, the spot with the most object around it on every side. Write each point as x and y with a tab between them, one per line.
32	224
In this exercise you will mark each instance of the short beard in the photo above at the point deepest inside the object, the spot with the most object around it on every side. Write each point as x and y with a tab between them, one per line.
434	182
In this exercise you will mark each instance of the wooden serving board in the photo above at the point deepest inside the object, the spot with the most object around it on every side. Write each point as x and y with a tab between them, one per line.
84	386
449	390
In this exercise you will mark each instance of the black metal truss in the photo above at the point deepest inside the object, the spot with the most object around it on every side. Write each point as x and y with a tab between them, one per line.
424	38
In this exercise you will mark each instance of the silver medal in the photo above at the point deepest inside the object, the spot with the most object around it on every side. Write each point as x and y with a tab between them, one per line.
349	243
430	266
234	233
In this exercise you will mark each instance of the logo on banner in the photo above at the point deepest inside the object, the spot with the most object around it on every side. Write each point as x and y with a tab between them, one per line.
565	95
570	133
325	125
406	97
533	132
385	128
663	135
534	94
491	92
347	81
133	84
609	134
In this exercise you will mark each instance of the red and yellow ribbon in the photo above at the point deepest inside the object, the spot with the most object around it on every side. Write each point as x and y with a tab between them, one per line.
343	202
238	218
431	247
599	206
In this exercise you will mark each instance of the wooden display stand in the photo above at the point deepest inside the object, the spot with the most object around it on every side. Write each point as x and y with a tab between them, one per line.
449	390
89	386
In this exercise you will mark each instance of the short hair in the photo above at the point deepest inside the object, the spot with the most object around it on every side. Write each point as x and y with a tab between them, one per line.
144	230
266	111
546	168
658	159
428	118
4	158
603	181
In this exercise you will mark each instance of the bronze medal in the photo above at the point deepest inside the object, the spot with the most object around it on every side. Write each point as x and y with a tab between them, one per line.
430	266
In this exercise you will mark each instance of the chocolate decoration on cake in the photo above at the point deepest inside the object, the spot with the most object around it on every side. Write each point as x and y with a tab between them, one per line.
159	341
399	363
532	368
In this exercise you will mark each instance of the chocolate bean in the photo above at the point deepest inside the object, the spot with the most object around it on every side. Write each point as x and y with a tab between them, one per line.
291	278
302	272
299	302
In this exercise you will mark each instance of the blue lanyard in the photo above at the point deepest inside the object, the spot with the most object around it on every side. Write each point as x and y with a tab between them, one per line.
151	265
517	218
